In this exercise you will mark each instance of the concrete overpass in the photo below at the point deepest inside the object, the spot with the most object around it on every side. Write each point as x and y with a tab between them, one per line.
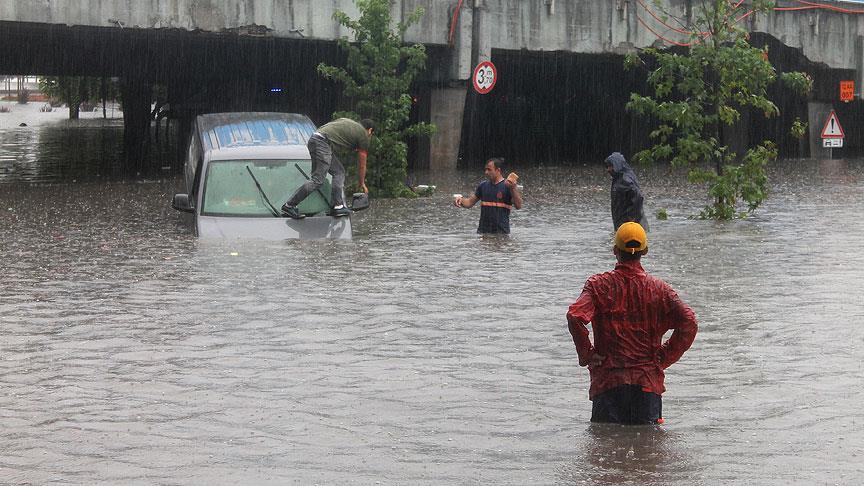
185	44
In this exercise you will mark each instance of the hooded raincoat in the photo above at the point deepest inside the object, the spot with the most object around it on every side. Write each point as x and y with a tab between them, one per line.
626	195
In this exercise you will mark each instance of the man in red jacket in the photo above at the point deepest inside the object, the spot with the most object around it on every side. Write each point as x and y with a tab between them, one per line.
629	311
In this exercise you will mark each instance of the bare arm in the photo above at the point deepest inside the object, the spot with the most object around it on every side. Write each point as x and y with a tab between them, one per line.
361	169
466	202
517	194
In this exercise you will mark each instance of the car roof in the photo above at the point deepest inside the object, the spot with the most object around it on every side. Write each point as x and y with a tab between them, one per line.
222	131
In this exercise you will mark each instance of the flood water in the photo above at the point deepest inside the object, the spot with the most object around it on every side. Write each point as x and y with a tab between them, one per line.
418	353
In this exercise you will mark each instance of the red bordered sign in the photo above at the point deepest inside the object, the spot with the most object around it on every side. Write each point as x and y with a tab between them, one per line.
832	127
485	77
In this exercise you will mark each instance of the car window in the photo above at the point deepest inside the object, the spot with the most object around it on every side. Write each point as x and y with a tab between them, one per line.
259	132
229	190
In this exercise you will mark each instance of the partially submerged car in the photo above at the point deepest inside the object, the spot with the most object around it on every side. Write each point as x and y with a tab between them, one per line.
241	168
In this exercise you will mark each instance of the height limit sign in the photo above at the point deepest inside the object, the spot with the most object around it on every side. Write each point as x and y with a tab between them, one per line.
485	77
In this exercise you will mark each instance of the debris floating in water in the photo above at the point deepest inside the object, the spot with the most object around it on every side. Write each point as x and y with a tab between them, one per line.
424	190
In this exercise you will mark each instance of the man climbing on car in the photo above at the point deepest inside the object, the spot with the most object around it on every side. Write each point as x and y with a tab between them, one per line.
332	142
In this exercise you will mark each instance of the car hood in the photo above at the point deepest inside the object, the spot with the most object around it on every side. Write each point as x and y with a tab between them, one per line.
314	228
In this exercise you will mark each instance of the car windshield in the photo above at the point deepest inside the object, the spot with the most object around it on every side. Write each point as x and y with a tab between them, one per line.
229	190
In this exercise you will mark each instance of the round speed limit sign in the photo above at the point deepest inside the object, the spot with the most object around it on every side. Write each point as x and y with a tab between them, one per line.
485	77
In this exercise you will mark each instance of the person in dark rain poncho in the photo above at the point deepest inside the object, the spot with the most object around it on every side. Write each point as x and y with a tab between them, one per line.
626	195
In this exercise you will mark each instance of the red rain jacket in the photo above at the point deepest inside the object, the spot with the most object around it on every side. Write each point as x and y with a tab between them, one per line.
629	311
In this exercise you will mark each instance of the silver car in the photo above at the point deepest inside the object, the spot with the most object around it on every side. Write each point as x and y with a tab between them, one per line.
241	168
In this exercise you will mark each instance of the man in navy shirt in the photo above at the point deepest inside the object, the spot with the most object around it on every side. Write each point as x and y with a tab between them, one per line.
497	196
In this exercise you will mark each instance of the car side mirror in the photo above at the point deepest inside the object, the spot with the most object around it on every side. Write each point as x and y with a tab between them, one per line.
360	201
181	203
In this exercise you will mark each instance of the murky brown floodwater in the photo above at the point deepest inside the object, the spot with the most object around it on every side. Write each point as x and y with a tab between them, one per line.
416	354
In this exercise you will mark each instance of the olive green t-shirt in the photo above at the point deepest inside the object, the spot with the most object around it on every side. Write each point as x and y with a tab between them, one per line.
346	135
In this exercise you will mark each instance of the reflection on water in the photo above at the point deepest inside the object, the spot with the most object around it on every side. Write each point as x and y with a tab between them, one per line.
613	454
74	150
418	353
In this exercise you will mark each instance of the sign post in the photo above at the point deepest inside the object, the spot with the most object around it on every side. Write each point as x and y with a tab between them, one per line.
485	77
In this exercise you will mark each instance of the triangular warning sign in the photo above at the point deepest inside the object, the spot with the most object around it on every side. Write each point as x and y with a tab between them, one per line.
832	127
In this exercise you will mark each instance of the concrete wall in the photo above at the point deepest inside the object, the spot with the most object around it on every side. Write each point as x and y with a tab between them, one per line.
587	26
580	26
614	26
448	108
822	36
279	17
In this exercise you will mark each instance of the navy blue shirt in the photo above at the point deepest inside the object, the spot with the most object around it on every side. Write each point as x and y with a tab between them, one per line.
496	201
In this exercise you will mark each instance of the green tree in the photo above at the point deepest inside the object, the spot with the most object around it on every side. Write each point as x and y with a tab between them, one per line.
695	94
72	90
378	75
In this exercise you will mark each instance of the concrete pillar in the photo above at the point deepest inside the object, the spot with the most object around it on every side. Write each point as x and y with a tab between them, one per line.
137	96
448	108
622	27
817	113
481	34
448	103
461	66
859	67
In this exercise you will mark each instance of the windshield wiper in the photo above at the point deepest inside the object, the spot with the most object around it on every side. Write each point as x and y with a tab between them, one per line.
269	205
317	189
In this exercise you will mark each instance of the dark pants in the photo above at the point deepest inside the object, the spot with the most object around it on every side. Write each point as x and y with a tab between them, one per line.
627	404
324	161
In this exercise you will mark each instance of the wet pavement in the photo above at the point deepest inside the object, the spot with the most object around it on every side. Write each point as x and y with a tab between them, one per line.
418	353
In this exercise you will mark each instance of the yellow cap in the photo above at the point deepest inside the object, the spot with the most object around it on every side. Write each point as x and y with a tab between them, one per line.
631	238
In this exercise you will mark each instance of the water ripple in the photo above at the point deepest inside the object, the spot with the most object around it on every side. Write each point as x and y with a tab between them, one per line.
420	353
